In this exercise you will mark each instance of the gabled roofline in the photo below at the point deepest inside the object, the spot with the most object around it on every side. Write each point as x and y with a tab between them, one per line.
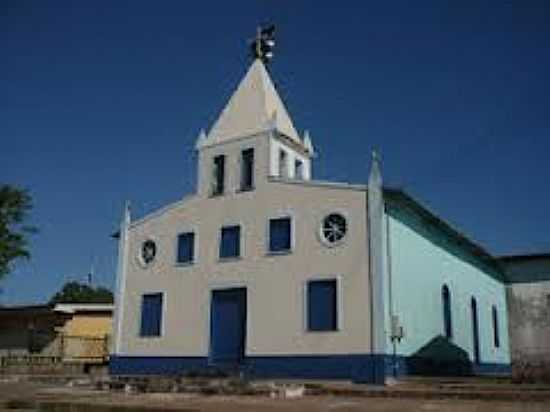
161	211
399	198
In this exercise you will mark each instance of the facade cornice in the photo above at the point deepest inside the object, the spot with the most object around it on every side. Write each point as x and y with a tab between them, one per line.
161	211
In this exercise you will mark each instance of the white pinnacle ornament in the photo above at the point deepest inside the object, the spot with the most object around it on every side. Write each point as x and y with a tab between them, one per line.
201	140
307	143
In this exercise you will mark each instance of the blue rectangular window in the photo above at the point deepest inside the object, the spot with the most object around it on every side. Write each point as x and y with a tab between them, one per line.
322	312
230	244
280	234
186	247
151	314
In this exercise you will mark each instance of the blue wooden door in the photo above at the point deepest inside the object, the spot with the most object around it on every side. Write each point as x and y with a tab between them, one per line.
227	326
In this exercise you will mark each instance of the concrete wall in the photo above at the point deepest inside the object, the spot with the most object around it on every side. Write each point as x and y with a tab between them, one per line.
529	317
419	267
275	283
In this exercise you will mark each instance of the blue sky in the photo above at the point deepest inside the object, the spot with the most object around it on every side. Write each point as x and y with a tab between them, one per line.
102	101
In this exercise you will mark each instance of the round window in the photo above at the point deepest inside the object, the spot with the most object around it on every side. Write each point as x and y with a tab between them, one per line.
148	251
334	229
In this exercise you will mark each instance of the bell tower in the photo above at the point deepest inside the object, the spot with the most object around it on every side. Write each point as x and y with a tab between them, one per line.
254	134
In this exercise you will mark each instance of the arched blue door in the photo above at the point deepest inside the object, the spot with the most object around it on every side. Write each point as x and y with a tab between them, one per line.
227	326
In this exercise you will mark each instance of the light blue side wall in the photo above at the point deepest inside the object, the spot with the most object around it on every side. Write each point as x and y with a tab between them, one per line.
418	267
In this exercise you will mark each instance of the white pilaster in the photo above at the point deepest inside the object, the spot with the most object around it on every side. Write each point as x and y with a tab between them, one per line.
121	278
376	252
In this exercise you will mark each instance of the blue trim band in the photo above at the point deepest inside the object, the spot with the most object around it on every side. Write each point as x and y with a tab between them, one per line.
358	368
366	368
155	365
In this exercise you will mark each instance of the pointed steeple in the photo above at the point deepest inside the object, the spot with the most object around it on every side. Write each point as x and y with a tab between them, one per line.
253	108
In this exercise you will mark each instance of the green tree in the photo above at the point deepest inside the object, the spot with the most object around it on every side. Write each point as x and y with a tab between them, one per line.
74	292
15	204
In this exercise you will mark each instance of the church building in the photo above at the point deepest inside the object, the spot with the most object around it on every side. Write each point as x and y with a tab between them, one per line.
269	272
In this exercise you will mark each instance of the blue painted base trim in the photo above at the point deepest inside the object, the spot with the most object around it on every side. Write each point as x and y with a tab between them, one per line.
366	368
362	368
155	365
358	368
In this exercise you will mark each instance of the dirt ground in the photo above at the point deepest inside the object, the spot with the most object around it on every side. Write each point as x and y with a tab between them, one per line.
97	401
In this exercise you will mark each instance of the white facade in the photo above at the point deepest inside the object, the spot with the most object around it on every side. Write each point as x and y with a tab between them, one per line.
243	186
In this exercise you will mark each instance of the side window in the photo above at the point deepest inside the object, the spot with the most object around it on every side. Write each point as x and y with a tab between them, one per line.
322	305
280	234
283	168
447	314
230	242
186	247
151	315
247	169
496	336
299	169
475	330
218	175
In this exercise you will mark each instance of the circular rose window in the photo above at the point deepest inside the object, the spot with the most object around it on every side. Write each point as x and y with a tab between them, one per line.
334	229
148	251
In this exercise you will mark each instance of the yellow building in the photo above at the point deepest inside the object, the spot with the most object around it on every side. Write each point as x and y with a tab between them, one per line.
64	332
86	333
